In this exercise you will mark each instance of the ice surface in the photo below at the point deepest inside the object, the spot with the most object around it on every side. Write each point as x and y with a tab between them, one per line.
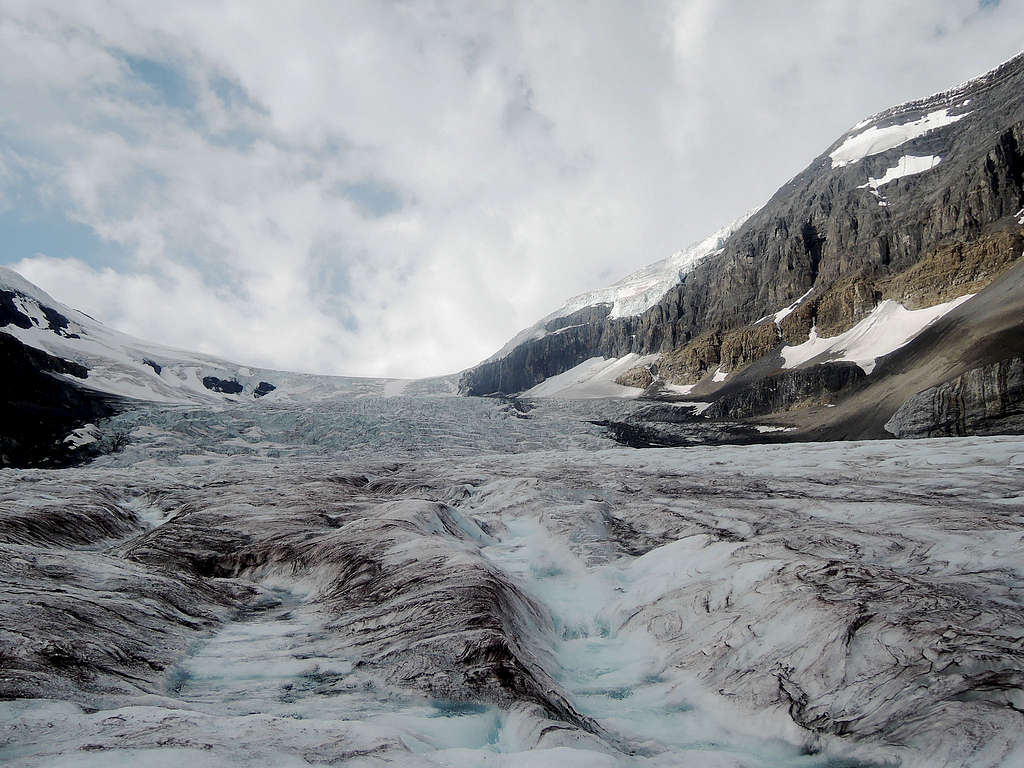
889	326
672	621
875	140
436	581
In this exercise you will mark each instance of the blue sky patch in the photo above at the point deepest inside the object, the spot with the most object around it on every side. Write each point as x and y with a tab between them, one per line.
25	235
373	198
168	83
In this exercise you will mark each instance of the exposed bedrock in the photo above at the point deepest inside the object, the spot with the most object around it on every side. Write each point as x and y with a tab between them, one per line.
817	385
225	386
38	409
641	376
988	399
822	230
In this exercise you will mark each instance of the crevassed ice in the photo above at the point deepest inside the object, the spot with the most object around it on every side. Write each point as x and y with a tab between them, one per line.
876	140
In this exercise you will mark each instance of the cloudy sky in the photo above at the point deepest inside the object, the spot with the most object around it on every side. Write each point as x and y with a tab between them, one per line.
396	188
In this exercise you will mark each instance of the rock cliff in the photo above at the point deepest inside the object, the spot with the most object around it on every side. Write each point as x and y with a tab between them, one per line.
988	399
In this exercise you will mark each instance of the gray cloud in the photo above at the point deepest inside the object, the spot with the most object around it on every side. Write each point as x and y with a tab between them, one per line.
397	188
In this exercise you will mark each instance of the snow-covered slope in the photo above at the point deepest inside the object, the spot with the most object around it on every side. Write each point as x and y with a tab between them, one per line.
636	292
122	365
592	378
886	329
874	140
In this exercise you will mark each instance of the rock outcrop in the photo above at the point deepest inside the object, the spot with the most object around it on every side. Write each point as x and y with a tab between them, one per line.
641	377
818	385
985	400
40	405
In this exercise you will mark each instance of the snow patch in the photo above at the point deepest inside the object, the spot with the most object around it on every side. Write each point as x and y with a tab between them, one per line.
886	329
1020	216
681	389
82	436
876	140
785	312
592	378
908	165
720	375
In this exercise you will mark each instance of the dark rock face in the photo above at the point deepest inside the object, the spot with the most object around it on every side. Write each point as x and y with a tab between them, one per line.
785	390
818	230
155	366
263	388
38	409
11	315
985	400
224	386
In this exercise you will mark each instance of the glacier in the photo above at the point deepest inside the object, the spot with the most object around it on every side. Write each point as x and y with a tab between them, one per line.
426	580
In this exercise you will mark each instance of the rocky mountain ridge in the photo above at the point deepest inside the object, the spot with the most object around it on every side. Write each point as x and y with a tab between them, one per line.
919	204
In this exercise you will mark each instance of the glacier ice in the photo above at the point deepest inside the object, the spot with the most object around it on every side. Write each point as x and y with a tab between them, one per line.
458	582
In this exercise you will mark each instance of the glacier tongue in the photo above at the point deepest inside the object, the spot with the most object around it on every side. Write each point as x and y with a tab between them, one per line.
502	599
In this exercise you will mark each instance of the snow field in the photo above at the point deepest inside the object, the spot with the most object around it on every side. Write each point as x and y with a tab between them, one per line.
889	326
874	140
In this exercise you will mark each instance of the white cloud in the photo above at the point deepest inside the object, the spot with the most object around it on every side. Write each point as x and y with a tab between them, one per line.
537	149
